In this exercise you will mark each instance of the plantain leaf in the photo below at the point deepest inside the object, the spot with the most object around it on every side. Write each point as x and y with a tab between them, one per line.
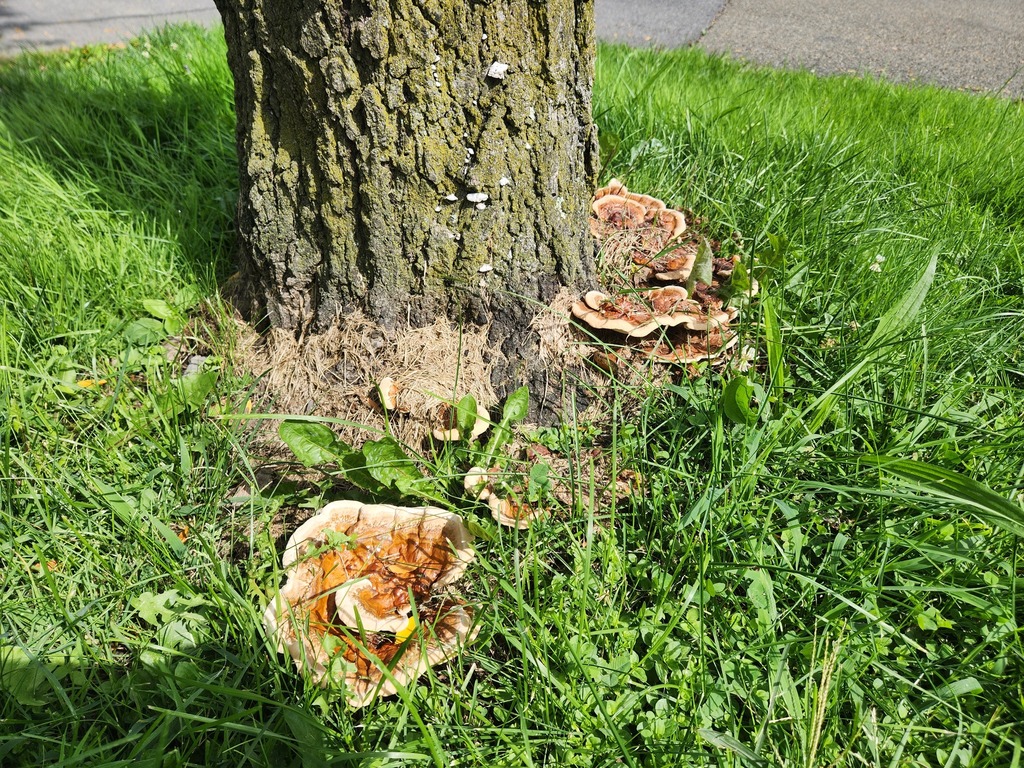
736	401
353	466
146	331
312	443
465	416
517	405
196	387
158	308
388	463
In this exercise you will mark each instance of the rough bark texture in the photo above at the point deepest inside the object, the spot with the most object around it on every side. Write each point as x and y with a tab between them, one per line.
364	125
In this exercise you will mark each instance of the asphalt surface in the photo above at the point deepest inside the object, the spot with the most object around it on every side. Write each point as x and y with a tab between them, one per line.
975	45
47	24
665	23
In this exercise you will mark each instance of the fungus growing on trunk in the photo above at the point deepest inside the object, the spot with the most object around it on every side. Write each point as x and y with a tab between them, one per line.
620	212
636	314
691	346
362	593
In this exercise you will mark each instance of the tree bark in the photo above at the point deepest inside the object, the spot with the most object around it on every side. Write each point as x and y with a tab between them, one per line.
368	130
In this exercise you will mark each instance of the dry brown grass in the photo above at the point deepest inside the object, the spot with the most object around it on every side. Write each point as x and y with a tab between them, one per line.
335	374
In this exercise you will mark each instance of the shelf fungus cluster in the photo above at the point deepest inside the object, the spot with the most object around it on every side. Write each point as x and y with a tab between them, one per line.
363	604
682	297
628	224
617	209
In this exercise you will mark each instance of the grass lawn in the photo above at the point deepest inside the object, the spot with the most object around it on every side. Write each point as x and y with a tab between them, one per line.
774	598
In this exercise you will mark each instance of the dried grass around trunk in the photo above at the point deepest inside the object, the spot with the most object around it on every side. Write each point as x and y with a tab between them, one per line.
336	374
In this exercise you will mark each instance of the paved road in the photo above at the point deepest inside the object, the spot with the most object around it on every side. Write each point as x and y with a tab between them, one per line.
41	24
668	23
970	44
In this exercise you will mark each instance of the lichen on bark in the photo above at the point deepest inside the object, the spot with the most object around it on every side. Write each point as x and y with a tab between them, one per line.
363	127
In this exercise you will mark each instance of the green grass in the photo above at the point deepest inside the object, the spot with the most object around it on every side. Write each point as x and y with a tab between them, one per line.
773	599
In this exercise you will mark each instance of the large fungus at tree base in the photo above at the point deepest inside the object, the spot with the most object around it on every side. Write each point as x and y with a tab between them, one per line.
645	243
362	594
672	264
636	314
691	346
620	212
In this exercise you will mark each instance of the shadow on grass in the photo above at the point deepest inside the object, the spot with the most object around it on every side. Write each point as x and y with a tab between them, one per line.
199	703
148	130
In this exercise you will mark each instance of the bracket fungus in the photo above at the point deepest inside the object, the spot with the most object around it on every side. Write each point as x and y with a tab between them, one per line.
713	313
449	431
616	206
691	347
387	393
673	222
362	595
636	314
497	70
513	514
674	265
613	187
644	243
619	212
479	483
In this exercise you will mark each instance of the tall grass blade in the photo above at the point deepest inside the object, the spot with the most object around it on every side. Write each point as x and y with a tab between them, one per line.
725	741
955	488
773	342
905	310
896	320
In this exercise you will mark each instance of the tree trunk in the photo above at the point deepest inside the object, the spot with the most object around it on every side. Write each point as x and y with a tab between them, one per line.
369	132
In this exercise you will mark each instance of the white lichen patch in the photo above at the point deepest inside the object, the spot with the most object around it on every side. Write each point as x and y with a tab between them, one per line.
497	70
